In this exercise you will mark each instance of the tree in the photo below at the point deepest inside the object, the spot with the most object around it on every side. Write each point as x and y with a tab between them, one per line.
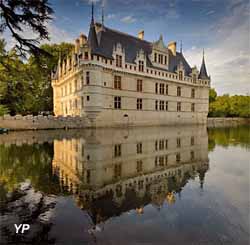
212	95
34	14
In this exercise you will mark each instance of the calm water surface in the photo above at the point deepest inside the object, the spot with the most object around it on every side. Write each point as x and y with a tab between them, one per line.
164	185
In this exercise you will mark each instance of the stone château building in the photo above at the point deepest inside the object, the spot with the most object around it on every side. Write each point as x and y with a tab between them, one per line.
113	78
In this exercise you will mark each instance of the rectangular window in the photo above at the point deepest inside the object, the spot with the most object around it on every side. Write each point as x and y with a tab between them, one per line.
117	82
161	105
87	77
161	88
178	91
165	60
118	60
166	89
139	85
156	145
192	107
178	142
82	101
178	157
117	102
180	75
193	93
75	85
161	161
156	88
155	57
156	105
139	166
117	171
178	106
86	55
166	106
139	148
161	145
141	65
192	140
192	155
139	104
118	150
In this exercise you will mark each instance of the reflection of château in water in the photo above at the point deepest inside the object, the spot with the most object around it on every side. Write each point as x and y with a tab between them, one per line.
115	170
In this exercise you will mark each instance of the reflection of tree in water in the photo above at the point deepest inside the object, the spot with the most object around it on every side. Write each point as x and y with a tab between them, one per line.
229	136
26	206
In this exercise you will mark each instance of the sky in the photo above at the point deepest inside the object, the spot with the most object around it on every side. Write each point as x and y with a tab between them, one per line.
221	27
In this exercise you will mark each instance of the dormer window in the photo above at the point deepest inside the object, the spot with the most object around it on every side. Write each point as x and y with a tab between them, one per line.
118	60
86	55
180	75
141	65
194	78
155	57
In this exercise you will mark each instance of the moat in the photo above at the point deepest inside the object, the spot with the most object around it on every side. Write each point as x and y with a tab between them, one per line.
150	185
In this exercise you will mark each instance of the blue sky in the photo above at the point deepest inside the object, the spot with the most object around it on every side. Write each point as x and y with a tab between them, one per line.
221	27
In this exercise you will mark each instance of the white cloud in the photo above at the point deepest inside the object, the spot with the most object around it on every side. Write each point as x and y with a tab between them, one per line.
128	19
110	16
227	59
210	12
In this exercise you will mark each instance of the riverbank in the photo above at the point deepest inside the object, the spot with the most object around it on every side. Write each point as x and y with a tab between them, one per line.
30	122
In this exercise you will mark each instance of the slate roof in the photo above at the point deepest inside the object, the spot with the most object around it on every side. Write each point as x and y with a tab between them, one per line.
203	70
107	38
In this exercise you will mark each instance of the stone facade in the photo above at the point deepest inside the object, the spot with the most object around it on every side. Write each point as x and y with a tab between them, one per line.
136	83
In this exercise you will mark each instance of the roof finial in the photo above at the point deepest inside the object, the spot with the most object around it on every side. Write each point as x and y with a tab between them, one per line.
103	13
92	12
203	53
181	47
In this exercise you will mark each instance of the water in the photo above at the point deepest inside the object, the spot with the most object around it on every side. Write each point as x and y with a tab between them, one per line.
164	185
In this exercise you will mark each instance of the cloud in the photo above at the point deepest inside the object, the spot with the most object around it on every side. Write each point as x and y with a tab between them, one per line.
210	12
227	58
110	16
128	19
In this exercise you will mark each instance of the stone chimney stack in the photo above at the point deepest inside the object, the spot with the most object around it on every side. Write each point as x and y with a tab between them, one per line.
172	47
141	34
77	46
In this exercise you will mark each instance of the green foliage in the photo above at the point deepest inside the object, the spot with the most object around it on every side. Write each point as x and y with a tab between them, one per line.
230	106
212	95
25	88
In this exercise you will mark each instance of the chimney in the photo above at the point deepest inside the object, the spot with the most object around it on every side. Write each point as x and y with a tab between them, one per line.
77	46
141	34
172	47
83	40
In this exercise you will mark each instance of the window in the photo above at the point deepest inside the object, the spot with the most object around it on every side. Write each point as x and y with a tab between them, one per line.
139	166
180	75
70	88
86	55
161	105
166	160
166	60
161	88
155	57
139	148
156	145
178	91
161	160
178	142
87	77
166	106
139	104
139	85
178	157
76	104
82	81
161	145
192	140
166	144
82	101
88	98
193	93
192	107
117	102
194	78
118	60
156	88
118	150
156	105
141	65
192	155
166	89
117	82
75	85
178	106
117	171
